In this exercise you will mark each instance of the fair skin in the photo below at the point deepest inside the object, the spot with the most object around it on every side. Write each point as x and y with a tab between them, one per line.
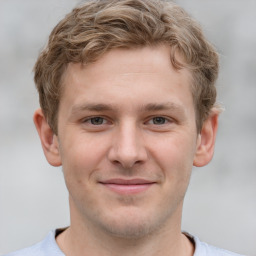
127	141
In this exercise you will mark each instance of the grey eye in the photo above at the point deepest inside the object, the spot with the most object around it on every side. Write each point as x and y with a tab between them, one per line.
97	120
159	120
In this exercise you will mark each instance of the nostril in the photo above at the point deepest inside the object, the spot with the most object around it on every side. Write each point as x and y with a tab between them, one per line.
116	162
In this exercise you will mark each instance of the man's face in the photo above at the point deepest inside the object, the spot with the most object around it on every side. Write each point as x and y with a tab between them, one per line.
127	141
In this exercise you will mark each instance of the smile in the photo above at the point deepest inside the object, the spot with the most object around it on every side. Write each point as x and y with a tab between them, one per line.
123	186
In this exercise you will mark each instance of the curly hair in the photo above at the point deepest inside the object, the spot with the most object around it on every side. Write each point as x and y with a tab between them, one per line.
98	26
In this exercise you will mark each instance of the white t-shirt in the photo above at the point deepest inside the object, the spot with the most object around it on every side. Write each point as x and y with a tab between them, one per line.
49	247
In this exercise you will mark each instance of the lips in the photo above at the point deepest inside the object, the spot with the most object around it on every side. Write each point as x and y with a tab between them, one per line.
124	186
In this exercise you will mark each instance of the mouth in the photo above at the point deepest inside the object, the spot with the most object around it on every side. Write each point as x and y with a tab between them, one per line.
124	186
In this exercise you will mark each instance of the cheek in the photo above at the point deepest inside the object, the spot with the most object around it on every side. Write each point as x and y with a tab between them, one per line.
81	156
174	155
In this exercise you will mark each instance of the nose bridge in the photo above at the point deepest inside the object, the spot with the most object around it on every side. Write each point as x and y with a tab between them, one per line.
128	146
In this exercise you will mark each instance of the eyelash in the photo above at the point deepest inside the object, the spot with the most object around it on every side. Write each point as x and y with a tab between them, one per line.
89	120
162	118
150	121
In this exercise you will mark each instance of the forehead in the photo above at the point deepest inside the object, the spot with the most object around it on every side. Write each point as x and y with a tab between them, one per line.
127	61
124	73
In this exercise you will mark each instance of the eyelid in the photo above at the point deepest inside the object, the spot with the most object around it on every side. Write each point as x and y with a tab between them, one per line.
168	119
86	119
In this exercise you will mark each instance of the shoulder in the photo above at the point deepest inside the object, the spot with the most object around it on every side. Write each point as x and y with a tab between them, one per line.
204	249
47	247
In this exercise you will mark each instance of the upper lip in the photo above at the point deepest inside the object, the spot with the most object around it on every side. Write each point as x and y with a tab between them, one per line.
127	181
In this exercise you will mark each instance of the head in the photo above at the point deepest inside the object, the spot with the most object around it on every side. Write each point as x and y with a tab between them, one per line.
97	27
127	95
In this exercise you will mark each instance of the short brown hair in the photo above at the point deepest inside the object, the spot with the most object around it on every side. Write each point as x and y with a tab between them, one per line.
97	26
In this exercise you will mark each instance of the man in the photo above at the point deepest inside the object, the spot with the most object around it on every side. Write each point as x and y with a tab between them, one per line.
128	106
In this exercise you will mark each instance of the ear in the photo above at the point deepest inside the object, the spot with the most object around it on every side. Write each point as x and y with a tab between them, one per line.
206	140
48	139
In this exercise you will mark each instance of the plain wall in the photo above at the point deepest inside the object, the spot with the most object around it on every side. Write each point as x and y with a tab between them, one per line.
220	206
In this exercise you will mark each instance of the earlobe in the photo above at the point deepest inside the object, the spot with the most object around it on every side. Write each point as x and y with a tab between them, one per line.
49	140
206	140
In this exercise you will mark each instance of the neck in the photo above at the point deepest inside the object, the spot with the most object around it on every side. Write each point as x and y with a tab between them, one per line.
86	240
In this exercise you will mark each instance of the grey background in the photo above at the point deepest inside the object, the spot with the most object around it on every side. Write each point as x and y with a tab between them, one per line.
220	206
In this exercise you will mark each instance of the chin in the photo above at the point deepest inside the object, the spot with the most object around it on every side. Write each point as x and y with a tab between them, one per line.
131	225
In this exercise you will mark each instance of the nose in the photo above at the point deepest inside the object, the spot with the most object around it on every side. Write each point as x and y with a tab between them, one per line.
128	147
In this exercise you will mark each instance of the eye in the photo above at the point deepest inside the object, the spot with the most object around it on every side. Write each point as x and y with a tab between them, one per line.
96	120
158	120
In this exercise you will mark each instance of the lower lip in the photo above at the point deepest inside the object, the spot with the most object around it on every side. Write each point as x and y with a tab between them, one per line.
128	189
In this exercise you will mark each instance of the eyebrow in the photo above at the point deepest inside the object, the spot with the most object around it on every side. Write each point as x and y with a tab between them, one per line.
162	106
92	107
109	107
